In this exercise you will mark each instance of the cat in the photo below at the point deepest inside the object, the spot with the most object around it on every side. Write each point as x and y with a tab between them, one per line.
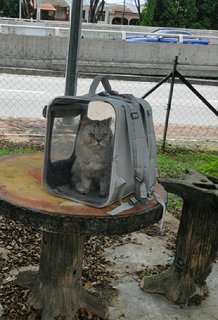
93	150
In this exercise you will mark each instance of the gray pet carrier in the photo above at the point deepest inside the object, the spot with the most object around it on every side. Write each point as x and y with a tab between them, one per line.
131	162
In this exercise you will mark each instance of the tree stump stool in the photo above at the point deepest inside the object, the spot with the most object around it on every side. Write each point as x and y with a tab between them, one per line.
56	289
197	240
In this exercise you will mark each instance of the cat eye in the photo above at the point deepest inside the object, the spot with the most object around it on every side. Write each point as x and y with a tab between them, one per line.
91	135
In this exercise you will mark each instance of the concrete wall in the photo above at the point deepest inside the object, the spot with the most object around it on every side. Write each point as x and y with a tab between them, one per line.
108	56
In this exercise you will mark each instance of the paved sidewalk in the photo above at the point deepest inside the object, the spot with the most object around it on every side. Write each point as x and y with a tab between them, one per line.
143	251
23	130
30	130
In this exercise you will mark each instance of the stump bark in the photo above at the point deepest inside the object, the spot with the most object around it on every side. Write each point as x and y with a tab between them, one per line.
197	240
57	288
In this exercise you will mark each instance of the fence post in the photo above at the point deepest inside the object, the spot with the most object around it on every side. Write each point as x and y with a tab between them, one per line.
169	102
74	40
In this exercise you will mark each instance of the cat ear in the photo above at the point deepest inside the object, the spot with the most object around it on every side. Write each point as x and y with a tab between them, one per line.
108	121
86	120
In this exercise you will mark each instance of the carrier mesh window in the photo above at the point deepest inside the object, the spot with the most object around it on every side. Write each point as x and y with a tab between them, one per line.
63	137
81	150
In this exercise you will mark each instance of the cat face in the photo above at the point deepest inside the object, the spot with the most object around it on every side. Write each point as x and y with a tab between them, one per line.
96	133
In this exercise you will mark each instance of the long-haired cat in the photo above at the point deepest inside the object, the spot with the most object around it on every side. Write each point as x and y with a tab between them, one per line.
93	150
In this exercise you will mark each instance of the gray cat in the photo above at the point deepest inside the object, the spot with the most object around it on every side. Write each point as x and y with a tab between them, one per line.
93	150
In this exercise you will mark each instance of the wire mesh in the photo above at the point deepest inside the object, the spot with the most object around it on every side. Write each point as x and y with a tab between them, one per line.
23	96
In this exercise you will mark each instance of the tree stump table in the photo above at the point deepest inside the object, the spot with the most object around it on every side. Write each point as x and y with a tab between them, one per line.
57	287
197	240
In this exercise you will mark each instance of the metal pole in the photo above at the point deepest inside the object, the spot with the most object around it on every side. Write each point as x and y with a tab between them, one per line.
124	7
196	93
38	10
20	10
157	85
169	102
73	49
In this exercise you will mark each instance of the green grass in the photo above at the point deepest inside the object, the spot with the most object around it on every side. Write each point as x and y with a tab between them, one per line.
173	161
6	151
7	147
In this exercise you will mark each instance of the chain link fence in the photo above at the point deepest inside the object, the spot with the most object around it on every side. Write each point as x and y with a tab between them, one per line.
23	97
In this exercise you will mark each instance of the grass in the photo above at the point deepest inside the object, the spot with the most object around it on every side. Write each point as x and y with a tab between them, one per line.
6	151
7	147
171	163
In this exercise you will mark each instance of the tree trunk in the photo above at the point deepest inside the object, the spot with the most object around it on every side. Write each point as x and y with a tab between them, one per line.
197	240
58	290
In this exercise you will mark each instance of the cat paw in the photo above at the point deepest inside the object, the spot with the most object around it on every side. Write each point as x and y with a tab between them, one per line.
82	190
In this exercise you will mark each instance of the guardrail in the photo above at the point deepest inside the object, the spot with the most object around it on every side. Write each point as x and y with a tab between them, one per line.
33	30
38	30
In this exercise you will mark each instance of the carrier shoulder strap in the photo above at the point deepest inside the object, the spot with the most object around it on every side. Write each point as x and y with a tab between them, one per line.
151	143
142	146
139	149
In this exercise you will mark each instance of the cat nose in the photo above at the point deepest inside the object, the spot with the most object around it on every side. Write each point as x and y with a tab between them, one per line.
98	140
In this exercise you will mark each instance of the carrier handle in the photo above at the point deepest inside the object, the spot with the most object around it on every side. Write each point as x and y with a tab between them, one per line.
103	79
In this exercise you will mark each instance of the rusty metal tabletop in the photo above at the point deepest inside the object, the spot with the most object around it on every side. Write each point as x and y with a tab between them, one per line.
23	199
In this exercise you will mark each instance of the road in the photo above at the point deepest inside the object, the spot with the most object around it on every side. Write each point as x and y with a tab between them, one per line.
25	96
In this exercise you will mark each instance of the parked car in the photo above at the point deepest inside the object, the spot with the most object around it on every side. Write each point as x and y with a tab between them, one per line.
170	36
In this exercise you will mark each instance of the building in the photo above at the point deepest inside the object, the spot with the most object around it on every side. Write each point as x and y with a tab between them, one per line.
114	14
53	10
111	14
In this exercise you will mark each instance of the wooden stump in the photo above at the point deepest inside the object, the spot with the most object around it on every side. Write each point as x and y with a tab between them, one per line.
57	289
197	240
